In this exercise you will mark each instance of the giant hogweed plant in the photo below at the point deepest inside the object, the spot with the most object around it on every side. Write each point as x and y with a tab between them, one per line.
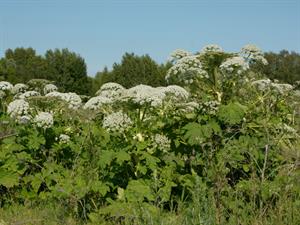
225	141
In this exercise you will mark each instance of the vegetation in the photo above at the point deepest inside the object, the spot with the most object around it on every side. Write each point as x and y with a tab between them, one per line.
218	143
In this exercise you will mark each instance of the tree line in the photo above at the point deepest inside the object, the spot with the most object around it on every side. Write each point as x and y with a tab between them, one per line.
68	70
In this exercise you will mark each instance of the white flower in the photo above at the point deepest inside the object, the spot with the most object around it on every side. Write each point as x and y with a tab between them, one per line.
97	102
110	86
187	69
211	48
178	54
43	120
24	119
28	94
282	88
49	88
117	122
253	53
263	84
73	100
18	108
111	90
5	86
144	94
19	88
161	142
234	65
210	107
176	91
188	107
63	138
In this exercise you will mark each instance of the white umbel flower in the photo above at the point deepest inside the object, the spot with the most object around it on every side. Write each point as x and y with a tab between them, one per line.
117	122
211	48
161	142
282	88
176	91
262	85
49	88
44	120
179	54
111	90
29	94
253	53
5	86
144	94
18	108
187	69
63	138
97	102
73	100
234	65
19	88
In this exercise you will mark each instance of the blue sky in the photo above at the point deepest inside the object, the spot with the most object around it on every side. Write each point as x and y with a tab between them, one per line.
102	31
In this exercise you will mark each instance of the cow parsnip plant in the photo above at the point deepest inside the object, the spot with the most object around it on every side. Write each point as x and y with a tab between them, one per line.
219	145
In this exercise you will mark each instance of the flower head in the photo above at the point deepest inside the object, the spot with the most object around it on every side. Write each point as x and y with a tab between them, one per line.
117	122
211	48
5	86
49	88
18	108
43	120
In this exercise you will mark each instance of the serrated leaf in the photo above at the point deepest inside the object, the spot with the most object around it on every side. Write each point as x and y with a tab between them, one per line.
8	178
122	156
233	113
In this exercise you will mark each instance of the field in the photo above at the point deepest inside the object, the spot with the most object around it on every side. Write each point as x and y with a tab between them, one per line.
219	145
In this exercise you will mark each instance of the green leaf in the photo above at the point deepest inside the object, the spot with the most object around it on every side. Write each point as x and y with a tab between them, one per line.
233	113
122	156
138	190
8	178
106	158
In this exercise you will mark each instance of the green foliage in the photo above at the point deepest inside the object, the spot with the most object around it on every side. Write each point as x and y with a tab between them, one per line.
233	158
134	70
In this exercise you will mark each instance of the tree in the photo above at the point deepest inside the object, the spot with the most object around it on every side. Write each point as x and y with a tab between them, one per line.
22	64
68	70
284	66
134	70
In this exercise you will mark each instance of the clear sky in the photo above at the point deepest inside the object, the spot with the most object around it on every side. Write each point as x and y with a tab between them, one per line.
102	31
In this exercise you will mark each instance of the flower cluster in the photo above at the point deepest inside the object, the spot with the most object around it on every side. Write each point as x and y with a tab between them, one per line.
73	100
43	120
187	69
19	88
234	65
211	48
267	85
253	53
179	54
262	84
5	86
176	91
18	108
117	122
49	88
63	138
28	94
210	107
111	90
143	94
96	103
161	142
282	88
